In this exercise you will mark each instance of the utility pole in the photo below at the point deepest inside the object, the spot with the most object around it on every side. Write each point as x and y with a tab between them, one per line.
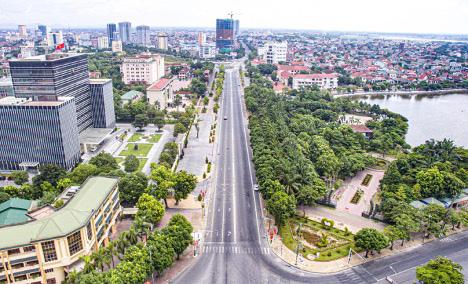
298	241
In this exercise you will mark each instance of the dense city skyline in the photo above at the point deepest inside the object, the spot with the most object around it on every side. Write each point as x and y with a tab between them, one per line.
335	15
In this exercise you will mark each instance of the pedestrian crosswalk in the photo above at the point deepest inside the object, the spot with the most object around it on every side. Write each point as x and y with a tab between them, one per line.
234	249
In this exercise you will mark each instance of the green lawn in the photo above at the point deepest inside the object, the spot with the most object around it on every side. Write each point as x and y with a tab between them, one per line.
142	163
135	137
154	138
119	160
142	152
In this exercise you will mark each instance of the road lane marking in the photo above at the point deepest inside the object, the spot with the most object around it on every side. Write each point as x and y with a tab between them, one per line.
246	147
234	199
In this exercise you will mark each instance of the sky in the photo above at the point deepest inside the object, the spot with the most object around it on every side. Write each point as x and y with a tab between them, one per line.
402	16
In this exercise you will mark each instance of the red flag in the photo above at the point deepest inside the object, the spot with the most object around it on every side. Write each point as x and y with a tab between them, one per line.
60	46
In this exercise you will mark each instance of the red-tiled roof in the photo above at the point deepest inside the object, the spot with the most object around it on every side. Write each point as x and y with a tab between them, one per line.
159	85
314	76
360	128
292	68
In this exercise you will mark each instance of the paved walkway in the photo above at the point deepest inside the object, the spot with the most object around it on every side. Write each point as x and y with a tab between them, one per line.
342	219
156	150
199	148
349	188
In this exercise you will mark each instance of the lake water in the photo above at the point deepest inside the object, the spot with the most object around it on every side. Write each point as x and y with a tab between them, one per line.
437	117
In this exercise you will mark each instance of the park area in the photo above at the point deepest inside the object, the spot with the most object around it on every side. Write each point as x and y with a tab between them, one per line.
136	149
318	241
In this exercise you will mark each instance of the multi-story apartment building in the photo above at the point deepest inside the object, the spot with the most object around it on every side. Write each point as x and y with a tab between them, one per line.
207	50
117	46
274	52
102	99
125	31
54	39
38	132
162	41
47	77
102	42
143	35
44	30
22	31
45	250
144	68
225	36
323	81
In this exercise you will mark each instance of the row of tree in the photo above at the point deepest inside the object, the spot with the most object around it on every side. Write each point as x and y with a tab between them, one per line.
300	147
432	220
139	251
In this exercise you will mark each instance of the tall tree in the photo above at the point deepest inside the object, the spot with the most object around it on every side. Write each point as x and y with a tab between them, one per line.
440	270
149	209
132	186
184	184
370	239
282	206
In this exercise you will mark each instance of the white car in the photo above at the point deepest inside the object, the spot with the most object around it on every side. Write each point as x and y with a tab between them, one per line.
256	187
225	118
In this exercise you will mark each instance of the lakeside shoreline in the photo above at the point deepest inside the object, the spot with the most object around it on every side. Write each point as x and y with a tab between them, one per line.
401	93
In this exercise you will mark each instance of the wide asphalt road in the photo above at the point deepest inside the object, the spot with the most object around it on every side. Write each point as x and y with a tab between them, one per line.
235	249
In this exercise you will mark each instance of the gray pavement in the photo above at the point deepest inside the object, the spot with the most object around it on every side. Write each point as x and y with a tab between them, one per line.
198	148
235	250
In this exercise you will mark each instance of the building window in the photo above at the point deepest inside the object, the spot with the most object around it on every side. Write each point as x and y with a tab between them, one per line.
48	249
29	248
13	251
89	231
51	281
50	270
74	243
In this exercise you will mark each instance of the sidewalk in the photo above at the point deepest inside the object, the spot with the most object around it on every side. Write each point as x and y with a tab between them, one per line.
199	148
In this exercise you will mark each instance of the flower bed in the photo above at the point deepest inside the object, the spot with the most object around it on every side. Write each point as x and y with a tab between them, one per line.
366	180
357	196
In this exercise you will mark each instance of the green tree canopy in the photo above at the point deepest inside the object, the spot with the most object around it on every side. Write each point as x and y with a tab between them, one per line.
149	209
370	239
440	270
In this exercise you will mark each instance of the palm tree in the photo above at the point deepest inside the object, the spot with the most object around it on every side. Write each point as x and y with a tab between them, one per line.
88	264
122	243
111	251
106	256
98	259
132	236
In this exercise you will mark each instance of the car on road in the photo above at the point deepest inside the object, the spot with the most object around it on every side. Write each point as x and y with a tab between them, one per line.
256	187
225	118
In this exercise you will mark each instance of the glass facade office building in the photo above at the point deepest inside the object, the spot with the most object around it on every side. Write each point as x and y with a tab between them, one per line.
38	132
102	98
111	33
225	33
46	77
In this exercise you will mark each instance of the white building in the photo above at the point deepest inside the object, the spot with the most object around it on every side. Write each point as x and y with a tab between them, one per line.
161	93
323	81
145	68
54	38
27	50
207	50
117	46
273	52
162	41
22	31
143	35
103	42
